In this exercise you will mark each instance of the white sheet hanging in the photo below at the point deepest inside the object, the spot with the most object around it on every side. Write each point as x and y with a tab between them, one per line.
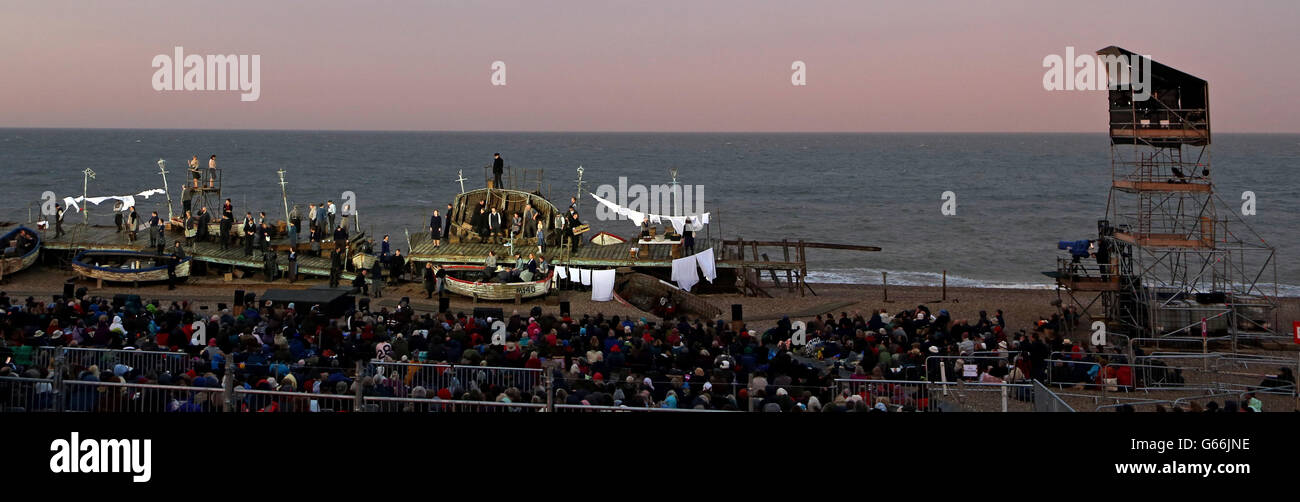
656	219
575	275
684	272
561	272
707	264
586	277
602	285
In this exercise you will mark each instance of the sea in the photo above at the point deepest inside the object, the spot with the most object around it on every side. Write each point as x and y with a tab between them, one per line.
1013	195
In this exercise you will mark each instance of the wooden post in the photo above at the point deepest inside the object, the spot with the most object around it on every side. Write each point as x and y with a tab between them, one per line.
884	283
789	275
945	285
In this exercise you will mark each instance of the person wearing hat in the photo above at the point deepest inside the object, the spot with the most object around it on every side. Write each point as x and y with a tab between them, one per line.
498	168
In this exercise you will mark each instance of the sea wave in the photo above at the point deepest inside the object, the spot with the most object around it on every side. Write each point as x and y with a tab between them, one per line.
872	276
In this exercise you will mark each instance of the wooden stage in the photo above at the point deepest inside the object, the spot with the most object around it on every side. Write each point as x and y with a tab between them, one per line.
77	237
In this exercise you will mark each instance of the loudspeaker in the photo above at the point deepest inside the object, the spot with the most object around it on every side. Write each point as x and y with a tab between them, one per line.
564	308
444	304
1214	297
69	290
486	312
736	314
239	298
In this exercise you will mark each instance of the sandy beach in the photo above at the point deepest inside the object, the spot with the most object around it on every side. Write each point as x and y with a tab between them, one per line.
1021	307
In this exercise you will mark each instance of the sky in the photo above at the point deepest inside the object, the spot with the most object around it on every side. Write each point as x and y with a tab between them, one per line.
665	65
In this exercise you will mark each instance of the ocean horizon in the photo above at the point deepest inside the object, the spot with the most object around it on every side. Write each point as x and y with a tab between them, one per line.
1017	193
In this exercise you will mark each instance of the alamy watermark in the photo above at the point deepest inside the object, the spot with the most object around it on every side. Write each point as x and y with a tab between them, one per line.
231	72
663	200
1088	72
75	455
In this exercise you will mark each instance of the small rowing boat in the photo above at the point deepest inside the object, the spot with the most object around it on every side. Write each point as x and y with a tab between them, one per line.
126	266
606	239
656	297
19	253
473	281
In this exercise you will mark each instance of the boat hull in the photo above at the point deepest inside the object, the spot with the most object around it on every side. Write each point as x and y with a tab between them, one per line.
643	292
19	263
86	265
494	290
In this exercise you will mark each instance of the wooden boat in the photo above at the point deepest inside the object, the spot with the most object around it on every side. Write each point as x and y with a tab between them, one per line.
606	239
125	266
472	281
22	258
507	202
644	292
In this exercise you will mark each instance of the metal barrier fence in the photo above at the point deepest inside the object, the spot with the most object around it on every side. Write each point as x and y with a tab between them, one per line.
941	396
570	408
435	405
146	362
457	378
1046	401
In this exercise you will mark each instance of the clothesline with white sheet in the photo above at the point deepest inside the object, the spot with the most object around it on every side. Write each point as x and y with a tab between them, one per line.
636	217
685	271
128	201
601	281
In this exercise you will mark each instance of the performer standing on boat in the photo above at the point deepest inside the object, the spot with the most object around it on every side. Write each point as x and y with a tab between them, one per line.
212	171
435	229
194	169
153	229
530	221
133	221
205	219
58	222
250	232
498	168
446	225
293	265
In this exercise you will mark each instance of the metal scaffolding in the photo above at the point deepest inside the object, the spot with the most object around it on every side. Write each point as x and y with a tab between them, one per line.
1173	258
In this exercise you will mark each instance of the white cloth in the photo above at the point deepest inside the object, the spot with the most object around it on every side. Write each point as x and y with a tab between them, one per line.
707	264
128	201
561	272
586	276
637	217
602	285
679	223
684	272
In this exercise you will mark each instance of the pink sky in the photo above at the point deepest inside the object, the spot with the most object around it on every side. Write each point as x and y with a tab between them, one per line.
633	65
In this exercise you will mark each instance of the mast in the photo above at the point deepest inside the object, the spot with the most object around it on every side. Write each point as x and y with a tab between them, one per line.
162	170
284	195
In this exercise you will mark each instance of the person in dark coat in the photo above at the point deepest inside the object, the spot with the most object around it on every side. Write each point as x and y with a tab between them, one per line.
377	279
205	219
446	224
430	280
224	237
396	266
498	168
435	229
336	267
293	265
250	233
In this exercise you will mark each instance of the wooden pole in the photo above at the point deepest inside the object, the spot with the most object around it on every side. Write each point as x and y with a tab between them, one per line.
884	282
945	285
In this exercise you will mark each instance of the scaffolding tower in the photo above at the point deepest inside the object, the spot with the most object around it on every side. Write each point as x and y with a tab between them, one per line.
1171	256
